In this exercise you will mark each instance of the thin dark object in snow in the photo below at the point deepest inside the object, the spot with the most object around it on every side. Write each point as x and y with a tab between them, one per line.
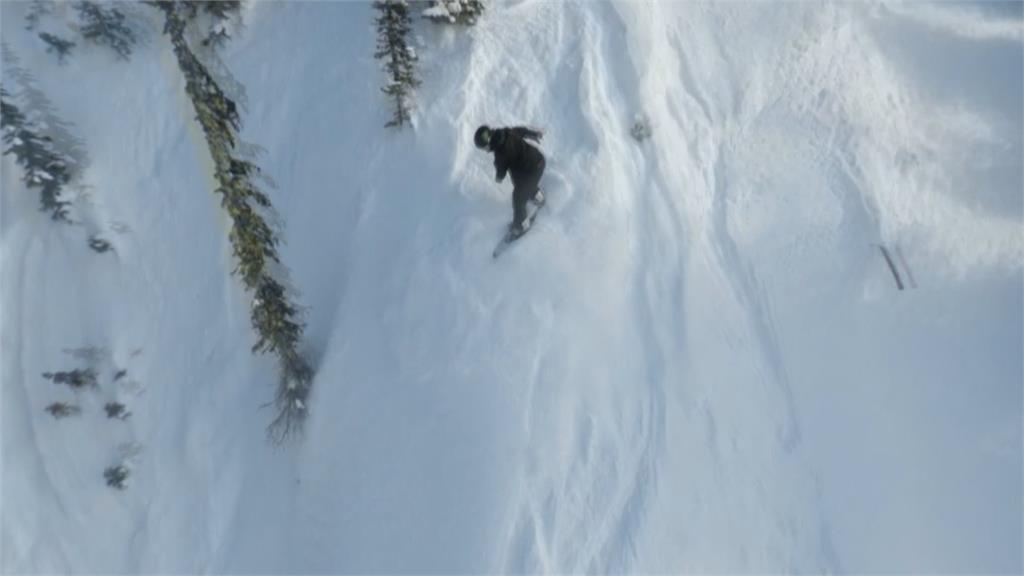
892	267
906	269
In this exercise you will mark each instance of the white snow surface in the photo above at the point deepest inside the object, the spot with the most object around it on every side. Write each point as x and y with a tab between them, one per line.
697	360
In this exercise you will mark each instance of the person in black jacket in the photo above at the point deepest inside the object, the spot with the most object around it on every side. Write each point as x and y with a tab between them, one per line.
514	155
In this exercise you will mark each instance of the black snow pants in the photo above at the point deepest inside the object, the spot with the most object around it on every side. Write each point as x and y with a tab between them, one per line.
526	188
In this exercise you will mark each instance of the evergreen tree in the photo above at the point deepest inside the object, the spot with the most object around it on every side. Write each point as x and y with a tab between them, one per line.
399	58
46	169
455	11
106	27
273	315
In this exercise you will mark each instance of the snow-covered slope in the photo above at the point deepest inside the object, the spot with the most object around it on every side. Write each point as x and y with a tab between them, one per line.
698	360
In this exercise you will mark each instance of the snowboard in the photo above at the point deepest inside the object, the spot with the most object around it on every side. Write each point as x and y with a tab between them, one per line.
509	238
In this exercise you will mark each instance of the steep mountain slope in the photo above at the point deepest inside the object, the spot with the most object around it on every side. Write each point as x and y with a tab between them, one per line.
697	361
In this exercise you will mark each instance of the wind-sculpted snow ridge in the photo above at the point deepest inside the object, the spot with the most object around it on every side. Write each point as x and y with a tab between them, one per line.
697	361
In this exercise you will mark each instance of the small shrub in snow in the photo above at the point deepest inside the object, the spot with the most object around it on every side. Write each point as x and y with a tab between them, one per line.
641	129
99	244
62	410
77	379
116	410
399	58
106	27
57	45
455	11
117	476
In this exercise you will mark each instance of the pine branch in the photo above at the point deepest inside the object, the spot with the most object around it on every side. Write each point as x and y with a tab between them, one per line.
58	45
465	12
45	168
106	27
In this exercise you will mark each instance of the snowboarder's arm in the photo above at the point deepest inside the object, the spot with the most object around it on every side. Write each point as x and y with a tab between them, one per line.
528	133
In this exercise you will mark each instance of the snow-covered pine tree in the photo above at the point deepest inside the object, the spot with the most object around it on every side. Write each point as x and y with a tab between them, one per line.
107	27
274	317
46	169
455	11
393	23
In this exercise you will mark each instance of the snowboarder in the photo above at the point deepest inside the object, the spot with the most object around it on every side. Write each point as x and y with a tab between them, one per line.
513	154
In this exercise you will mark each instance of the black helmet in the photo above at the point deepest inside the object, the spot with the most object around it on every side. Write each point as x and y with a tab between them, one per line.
482	137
